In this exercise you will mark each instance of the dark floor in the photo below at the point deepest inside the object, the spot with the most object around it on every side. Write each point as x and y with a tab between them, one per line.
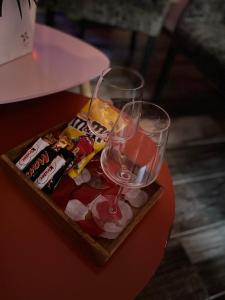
194	264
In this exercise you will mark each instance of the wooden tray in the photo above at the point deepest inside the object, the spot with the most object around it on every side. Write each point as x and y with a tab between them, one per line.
100	249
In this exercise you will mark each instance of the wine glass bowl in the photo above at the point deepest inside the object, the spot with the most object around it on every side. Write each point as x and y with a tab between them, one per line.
134	153
115	87
132	157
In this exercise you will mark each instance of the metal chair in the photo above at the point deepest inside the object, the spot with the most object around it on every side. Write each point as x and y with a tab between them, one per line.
199	35
146	16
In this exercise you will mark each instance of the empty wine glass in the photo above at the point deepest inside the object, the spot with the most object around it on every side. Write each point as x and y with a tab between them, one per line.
115	87
132	158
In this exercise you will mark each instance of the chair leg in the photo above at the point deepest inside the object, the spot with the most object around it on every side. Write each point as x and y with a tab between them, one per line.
131	50
149	48
82	28
49	17
133	42
85	89
164	73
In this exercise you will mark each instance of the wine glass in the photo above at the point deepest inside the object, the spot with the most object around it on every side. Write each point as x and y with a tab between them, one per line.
132	159
115	87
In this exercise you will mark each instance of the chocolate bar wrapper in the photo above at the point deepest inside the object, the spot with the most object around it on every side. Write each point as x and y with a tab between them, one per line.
42	160
54	181
35	149
57	163
31	153
52	174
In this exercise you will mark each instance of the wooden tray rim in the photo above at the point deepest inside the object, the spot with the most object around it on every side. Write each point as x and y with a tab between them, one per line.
102	254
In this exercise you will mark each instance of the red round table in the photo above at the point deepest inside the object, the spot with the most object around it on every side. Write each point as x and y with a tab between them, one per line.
36	260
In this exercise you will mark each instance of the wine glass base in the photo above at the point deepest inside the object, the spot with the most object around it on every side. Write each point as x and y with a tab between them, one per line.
112	219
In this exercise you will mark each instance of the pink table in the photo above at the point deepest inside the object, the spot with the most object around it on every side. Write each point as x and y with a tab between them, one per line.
58	62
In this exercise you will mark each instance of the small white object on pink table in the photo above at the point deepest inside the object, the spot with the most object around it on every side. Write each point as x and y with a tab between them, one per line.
58	62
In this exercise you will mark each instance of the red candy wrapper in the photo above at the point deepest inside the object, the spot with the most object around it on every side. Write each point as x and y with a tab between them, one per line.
82	148
86	144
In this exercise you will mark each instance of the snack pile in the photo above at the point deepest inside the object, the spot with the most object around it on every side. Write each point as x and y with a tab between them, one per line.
66	165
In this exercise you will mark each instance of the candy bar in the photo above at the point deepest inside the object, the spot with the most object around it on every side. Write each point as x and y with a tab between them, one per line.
31	153
42	160
54	181
50	171
35	149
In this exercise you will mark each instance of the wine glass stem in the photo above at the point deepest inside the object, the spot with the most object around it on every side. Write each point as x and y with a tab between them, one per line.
114	207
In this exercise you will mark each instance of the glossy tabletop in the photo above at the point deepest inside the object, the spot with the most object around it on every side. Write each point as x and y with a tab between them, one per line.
36	260
58	62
